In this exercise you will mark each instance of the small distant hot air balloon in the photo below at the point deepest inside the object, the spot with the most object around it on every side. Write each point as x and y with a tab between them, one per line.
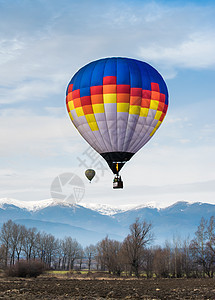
90	173
117	104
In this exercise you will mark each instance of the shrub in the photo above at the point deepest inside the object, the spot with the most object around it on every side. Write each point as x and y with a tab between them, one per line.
26	269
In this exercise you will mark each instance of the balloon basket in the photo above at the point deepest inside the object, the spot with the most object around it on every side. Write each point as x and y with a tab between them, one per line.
117	182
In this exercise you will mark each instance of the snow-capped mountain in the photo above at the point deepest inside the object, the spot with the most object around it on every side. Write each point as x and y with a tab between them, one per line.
110	210
89	223
32	205
104	209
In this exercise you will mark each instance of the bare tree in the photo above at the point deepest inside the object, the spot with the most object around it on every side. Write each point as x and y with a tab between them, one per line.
29	242
177	257
161	262
211	245
40	246
148	260
49	248
71	250
90	253
20	240
104	253
64	253
2	256
187	261
5	237
134	244
200	250
16	241
58	254
110	253
100	259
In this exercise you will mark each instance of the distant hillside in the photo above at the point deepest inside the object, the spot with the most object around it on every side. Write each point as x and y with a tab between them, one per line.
180	219
89	225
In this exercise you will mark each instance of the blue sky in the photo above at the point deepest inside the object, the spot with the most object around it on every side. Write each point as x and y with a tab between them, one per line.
43	43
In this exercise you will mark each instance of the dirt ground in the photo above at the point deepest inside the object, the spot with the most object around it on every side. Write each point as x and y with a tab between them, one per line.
64	288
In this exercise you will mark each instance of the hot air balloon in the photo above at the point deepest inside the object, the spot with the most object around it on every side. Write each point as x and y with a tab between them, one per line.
90	173
117	104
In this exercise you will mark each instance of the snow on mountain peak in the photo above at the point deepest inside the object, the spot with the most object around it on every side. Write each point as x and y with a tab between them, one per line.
32	205
110	210
104	209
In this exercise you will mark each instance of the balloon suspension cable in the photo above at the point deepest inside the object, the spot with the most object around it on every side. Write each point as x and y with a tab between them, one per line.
117	169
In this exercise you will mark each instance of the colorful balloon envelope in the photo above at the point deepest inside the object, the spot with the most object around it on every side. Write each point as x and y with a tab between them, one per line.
117	104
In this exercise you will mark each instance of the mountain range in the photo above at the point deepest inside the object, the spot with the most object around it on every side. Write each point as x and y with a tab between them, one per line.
91	223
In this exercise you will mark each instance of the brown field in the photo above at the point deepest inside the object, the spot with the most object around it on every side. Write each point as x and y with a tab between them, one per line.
50	287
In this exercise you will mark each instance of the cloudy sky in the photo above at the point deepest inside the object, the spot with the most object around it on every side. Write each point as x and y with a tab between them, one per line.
44	42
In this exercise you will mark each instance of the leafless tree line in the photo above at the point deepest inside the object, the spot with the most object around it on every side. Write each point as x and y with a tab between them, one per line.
18	242
133	256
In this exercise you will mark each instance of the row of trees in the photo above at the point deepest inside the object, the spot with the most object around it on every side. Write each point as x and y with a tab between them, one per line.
134	255
19	242
189	257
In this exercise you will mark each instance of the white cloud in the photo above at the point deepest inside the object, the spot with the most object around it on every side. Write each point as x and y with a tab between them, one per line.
197	51
44	68
137	193
9	48
38	60
23	132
